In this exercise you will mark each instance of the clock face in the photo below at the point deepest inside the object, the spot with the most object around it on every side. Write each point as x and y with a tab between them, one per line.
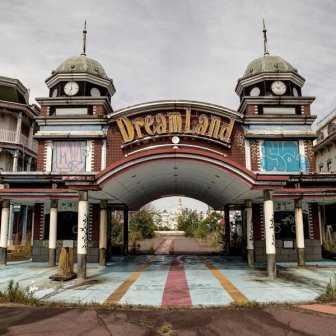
295	91
278	88
255	91
71	88
95	92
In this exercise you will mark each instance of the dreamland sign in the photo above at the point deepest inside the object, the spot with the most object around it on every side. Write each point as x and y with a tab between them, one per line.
207	125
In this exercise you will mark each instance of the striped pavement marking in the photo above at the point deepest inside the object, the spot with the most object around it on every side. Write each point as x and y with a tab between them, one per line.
164	247
176	292
116	296
233	291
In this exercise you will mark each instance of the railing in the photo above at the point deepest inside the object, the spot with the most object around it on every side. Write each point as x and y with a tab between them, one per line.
10	137
7	136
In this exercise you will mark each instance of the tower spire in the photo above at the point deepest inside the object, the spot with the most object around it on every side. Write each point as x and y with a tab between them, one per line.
265	39
84	40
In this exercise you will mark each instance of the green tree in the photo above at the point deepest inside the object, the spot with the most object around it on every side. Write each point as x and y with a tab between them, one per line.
143	223
212	222
116	230
188	221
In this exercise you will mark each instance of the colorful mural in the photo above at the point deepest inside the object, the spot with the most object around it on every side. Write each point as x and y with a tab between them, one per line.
69	156
282	156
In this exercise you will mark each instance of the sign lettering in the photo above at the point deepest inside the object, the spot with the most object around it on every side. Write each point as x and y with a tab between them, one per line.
209	126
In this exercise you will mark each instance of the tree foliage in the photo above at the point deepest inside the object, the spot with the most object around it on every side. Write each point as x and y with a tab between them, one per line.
208	229
142	222
188	221
117	225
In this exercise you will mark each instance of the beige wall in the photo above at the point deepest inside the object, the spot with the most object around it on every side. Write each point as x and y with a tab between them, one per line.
325	155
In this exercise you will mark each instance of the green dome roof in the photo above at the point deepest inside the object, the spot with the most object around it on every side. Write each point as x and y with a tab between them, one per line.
268	63
82	64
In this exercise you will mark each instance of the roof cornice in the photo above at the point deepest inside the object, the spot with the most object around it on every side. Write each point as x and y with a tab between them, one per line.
32	112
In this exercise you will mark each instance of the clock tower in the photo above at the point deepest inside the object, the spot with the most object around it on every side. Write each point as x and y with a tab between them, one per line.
73	116
276	115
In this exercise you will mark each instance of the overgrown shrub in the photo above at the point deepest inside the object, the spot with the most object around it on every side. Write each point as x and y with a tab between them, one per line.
329	294
14	293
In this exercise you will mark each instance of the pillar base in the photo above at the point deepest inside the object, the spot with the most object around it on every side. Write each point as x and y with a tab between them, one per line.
250	257
52	257
125	250
81	266
3	255
102	257
271	265
301	256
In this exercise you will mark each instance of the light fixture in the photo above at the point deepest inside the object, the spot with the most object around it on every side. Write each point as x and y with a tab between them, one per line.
175	140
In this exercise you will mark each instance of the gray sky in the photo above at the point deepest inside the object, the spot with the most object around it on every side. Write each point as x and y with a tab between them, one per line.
171	49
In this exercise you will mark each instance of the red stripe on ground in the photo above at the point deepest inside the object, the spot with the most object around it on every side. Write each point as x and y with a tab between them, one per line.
176	292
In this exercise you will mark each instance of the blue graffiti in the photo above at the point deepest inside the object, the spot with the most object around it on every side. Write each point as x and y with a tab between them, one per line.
282	156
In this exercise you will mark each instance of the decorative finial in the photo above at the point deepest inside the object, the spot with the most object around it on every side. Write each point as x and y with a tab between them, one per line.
84	40
265	39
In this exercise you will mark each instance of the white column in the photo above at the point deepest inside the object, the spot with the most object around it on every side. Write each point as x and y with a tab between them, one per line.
82	235
102	233
269	234
249	233
103	156
24	224
299	232
15	160
18	128
4	231
52	232
10	225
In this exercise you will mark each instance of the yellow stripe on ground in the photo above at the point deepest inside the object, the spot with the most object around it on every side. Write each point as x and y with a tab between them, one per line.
116	296
233	291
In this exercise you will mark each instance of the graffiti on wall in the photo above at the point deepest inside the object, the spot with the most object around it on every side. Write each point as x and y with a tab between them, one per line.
69	156
282	156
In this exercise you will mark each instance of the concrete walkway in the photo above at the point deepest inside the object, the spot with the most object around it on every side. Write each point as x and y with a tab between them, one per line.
179	281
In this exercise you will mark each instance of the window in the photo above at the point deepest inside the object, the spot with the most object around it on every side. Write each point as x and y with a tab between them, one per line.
329	166
69	156
321	168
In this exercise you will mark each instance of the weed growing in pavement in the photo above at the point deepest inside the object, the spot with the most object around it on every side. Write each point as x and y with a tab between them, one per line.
165	329
329	294
15	293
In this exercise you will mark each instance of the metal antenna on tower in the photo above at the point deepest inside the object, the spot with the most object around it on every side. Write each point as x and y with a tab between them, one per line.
265	39
84	40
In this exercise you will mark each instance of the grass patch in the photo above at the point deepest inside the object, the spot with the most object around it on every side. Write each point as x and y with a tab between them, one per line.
15	293
329	294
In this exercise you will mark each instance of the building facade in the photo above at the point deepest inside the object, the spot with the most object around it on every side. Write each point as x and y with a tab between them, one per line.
93	160
325	155
18	149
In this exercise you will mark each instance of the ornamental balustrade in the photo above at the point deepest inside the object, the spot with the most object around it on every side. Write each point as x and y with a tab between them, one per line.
10	137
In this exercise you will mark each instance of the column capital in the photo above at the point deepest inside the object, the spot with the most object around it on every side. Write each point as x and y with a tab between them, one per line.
83	195
298	203
248	203
268	195
54	203
5	203
103	204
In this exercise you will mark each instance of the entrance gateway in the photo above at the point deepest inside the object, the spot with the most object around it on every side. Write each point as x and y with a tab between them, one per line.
93	160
